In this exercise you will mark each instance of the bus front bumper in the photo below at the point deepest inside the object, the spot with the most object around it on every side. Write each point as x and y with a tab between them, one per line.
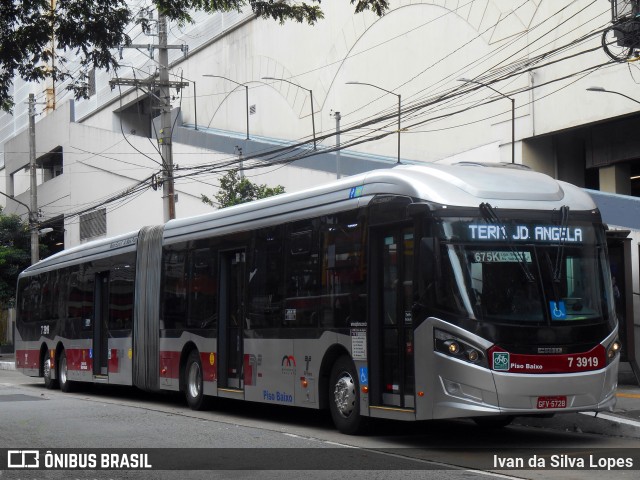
464	390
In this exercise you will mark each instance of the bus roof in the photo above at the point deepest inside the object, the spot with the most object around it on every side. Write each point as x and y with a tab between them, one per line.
104	247
463	185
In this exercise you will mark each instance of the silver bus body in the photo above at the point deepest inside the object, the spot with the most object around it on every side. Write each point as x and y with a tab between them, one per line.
280	367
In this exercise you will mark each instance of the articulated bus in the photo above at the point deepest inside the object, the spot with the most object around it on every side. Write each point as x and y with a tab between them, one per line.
413	293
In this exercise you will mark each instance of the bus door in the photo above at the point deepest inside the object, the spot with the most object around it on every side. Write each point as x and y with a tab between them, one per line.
100	321
391	323
232	269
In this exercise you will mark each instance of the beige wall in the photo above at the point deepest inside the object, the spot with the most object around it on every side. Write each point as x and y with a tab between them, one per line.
615	179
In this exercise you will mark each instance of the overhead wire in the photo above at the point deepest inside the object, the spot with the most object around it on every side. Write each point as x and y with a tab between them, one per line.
444	57
513	65
519	64
392	114
279	155
163	163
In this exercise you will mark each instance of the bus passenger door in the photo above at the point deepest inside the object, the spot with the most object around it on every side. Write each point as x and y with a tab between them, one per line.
391	322
232	269
100	321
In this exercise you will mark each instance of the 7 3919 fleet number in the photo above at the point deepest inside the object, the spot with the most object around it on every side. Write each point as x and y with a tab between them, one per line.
583	362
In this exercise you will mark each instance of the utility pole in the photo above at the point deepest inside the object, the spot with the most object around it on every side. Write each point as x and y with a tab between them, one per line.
168	187
338	117
33	209
163	85
239	152
50	88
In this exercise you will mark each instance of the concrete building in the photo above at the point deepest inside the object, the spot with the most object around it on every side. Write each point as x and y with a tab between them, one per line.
538	55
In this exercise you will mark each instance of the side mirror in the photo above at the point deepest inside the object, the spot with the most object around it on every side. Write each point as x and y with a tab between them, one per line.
419	208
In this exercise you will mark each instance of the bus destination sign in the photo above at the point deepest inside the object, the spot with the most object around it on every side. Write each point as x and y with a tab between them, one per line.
526	233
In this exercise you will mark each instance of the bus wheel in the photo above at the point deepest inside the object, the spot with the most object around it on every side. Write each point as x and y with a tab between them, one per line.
344	397
498	421
66	385
193	383
46	372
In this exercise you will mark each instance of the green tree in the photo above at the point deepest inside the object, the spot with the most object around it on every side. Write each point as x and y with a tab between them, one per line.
96	28
235	189
15	255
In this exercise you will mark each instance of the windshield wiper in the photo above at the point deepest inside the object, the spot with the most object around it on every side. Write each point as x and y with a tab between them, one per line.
564	221
490	216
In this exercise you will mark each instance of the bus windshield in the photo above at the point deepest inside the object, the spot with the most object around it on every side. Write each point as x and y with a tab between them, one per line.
517	275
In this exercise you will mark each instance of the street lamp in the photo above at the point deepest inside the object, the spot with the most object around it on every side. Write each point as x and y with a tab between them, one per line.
313	121
600	89
513	114
246	90
399	106
604	90
195	100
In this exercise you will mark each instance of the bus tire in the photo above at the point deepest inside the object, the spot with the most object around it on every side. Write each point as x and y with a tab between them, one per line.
344	397
193	383
66	385
493	422
49	382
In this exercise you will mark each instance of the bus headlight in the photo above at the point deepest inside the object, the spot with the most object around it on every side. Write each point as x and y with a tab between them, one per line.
473	355
453	346
613	350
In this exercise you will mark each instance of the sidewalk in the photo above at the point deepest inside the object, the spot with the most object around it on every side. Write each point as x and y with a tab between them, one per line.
623	421
7	361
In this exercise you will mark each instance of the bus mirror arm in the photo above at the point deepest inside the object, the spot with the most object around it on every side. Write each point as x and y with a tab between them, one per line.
418	208
428	261
417	308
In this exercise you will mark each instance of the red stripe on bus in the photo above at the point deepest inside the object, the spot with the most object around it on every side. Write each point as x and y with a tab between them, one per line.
79	359
27	358
209	366
594	359
170	365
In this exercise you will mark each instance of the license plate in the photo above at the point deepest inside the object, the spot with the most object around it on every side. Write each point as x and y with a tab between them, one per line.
552	402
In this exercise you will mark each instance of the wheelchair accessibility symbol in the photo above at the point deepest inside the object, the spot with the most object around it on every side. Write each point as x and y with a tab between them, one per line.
558	310
364	376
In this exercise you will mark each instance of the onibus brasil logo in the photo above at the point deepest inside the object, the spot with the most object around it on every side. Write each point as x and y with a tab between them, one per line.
501	360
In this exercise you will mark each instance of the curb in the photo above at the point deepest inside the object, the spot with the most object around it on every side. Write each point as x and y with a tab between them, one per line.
7	365
609	424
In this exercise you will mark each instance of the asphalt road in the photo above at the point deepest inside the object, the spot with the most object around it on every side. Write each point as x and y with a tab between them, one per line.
245	440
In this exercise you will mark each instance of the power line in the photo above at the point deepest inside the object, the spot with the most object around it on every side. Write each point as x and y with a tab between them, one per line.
288	154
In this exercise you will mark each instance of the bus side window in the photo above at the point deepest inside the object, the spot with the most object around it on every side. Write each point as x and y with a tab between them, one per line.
203	305
27	309
174	295
46	292
343	270
34	298
121	292
265	280
303	288
74	294
87	281
60	294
